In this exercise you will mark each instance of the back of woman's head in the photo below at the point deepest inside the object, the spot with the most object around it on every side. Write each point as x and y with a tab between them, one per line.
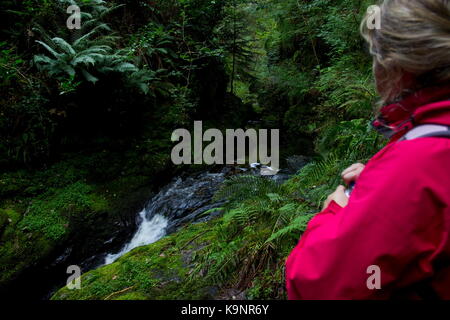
411	49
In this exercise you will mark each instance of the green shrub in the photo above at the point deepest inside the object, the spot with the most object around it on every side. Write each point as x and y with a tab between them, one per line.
89	52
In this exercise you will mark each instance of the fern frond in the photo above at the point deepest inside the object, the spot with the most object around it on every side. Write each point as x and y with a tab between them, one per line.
85	60
88	35
49	49
63	45
297	226
41	59
126	67
88	76
239	188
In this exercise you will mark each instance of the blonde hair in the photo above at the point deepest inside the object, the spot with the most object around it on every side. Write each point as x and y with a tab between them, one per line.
414	40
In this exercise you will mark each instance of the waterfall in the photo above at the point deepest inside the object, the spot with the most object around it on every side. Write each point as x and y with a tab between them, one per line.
149	231
181	202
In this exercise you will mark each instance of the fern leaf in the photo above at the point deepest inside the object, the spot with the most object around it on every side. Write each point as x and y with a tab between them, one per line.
49	49
69	70
84	59
61	43
126	67
41	59
84	38
297	225
89	77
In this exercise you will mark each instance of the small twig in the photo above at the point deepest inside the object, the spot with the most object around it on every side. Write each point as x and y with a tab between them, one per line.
118	292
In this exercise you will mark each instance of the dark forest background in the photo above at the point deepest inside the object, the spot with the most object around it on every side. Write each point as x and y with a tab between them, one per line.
86	118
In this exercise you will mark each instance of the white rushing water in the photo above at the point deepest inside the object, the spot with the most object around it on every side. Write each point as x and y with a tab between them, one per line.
180	202
149	231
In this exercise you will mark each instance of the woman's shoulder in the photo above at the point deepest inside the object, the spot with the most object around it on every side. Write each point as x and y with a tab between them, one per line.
417	151
423	162
416	169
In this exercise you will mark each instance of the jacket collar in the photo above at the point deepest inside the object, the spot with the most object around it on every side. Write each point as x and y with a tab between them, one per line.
422	106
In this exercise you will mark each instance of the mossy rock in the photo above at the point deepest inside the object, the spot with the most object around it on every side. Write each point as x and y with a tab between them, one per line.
160	271
28	238
132	296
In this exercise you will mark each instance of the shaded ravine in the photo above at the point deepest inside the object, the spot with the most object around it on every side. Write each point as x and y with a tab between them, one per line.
182	201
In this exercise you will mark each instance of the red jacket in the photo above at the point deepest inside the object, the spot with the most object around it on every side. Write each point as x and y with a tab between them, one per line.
398	218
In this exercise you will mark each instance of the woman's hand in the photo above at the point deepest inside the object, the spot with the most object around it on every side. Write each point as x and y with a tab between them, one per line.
352	173
337	196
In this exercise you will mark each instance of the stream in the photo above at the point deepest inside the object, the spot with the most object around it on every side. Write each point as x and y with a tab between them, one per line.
184	200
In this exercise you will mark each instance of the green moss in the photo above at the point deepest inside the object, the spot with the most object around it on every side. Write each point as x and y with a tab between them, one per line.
157	271
41	209
11	183
21	250
13	215
50	215
132	296
8	217
98	203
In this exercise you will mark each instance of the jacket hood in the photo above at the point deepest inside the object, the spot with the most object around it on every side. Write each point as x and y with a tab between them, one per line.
429	105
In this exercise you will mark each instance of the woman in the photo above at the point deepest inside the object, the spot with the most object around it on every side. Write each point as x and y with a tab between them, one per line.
390	239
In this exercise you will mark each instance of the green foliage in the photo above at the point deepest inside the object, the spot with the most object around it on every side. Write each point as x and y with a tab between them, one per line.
314	69
299	63
353	140
239	188
10	65
154	46
67	59
178	113
158	271
27	128
295	226
261	224
349	86
89	52
51	215
236	38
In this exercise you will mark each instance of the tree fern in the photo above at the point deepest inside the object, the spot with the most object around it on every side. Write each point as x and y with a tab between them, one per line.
90	54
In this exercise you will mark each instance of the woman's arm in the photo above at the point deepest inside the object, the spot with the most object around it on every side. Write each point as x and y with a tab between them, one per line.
392	222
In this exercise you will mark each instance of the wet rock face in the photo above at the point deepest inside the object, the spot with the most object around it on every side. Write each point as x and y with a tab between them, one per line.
185	199
296	162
